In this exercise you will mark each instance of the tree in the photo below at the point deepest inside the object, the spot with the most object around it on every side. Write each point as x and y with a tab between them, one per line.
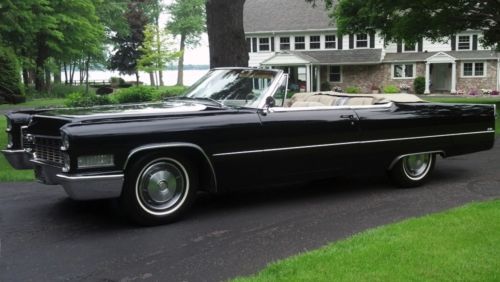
156	54
410	20
187	21
127	50
226	32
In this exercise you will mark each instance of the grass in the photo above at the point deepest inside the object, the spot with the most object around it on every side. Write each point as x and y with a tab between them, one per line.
459	245
7	173
472	100
35	103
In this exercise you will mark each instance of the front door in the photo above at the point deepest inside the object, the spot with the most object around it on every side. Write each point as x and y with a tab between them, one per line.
441	77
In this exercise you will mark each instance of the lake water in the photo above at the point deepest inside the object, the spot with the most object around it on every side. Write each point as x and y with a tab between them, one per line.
169	76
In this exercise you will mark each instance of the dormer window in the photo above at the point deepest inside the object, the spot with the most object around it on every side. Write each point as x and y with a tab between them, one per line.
464	42
362	40
314	42
409	47
300	43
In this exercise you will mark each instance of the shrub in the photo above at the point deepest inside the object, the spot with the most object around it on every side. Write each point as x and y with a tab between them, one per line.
10	73
352	90
391	89
116	81
495	93
167	91
87	100
325	86
419	85
136	94
60	90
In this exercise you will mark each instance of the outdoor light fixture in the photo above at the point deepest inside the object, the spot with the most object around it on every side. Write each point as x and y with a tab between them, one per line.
95	161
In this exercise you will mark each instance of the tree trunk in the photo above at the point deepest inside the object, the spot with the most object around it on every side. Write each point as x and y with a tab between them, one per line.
65	73
41	57
87	67
57	74
26	77
48	79
180	66
158	48
152	78
137	78
225	32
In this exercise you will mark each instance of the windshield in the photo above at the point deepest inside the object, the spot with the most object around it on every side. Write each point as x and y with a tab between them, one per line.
232	87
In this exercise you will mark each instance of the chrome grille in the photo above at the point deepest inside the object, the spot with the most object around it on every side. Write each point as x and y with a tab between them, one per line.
48	149
26	143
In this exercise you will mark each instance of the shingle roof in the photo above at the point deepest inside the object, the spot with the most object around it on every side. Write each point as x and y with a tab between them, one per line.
459	55
285	15
344	57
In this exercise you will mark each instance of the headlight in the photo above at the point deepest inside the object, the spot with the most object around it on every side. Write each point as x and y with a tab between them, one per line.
95	161
10	142
9	125
65	141
67	163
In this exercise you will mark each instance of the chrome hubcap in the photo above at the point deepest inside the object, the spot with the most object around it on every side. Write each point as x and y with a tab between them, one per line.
161	186
417	166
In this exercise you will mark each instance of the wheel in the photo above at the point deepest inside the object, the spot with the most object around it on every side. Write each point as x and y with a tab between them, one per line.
412	171
158	189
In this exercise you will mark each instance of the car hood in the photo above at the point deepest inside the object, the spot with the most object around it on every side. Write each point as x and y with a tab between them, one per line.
125	111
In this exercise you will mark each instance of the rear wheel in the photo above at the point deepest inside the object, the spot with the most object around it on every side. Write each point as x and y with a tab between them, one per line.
412	171
159	189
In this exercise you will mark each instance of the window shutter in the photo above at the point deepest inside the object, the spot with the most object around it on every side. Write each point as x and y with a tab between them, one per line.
421	45
351	41
453	43
474	42
400	46
340	41
272	44
372	39
254	44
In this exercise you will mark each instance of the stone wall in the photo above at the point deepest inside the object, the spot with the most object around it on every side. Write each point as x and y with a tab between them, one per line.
468	84
366	76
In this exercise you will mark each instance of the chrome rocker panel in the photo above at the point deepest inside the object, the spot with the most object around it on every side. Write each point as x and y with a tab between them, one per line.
18	159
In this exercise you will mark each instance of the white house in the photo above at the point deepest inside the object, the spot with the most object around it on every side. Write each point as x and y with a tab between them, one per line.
303	40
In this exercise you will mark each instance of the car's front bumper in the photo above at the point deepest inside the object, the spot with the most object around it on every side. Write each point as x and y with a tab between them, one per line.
92	187
18	159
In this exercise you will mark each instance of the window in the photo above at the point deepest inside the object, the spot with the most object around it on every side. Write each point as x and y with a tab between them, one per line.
403	71
315	42
335	74
362	40
300	43
284	43
264	44
409	47
464	42
473	70
330	42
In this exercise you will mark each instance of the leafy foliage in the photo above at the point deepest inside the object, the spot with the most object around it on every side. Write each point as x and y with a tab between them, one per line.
391	89
419	85
169	91
352	90
87	100
411	20
136	94
155	52
10	81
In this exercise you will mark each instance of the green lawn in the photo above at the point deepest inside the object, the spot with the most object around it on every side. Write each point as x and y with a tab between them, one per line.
472	100
7	173
35	103
459	245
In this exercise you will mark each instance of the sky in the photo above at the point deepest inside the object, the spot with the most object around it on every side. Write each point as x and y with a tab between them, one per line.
197	56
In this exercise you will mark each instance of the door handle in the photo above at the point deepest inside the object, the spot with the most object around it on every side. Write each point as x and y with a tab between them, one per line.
351	117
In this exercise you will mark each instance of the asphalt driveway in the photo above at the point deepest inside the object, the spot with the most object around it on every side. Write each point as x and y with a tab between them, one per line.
46	237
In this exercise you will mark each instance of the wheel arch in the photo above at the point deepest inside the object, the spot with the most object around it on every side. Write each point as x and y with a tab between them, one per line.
442	153
191	151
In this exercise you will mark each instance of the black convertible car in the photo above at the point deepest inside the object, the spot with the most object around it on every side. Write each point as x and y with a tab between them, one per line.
234	129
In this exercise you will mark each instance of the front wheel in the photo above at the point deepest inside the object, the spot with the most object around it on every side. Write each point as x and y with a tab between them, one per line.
158	189
413	170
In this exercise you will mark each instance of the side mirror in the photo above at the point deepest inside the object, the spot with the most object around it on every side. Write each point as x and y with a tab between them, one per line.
270	102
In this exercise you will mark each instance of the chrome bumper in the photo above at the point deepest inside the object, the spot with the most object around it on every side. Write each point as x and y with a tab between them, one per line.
92	187
18	159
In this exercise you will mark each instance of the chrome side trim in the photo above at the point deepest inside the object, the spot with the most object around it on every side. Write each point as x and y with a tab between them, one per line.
440	152
295	109
348	143
173	145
